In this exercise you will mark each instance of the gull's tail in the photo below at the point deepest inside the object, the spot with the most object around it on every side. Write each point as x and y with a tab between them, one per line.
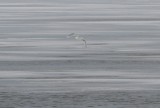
71	34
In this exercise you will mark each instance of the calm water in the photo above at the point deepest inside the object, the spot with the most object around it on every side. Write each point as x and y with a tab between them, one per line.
123	45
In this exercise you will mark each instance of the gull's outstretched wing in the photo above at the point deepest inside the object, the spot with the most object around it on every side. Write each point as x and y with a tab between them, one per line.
70	35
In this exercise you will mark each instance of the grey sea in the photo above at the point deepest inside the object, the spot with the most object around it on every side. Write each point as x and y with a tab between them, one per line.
41	68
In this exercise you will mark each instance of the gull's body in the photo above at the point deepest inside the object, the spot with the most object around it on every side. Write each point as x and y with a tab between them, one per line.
77	37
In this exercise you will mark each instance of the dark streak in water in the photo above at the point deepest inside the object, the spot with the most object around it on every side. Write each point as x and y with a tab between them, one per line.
84	19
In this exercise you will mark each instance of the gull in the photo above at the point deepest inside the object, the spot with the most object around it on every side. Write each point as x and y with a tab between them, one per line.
77	37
